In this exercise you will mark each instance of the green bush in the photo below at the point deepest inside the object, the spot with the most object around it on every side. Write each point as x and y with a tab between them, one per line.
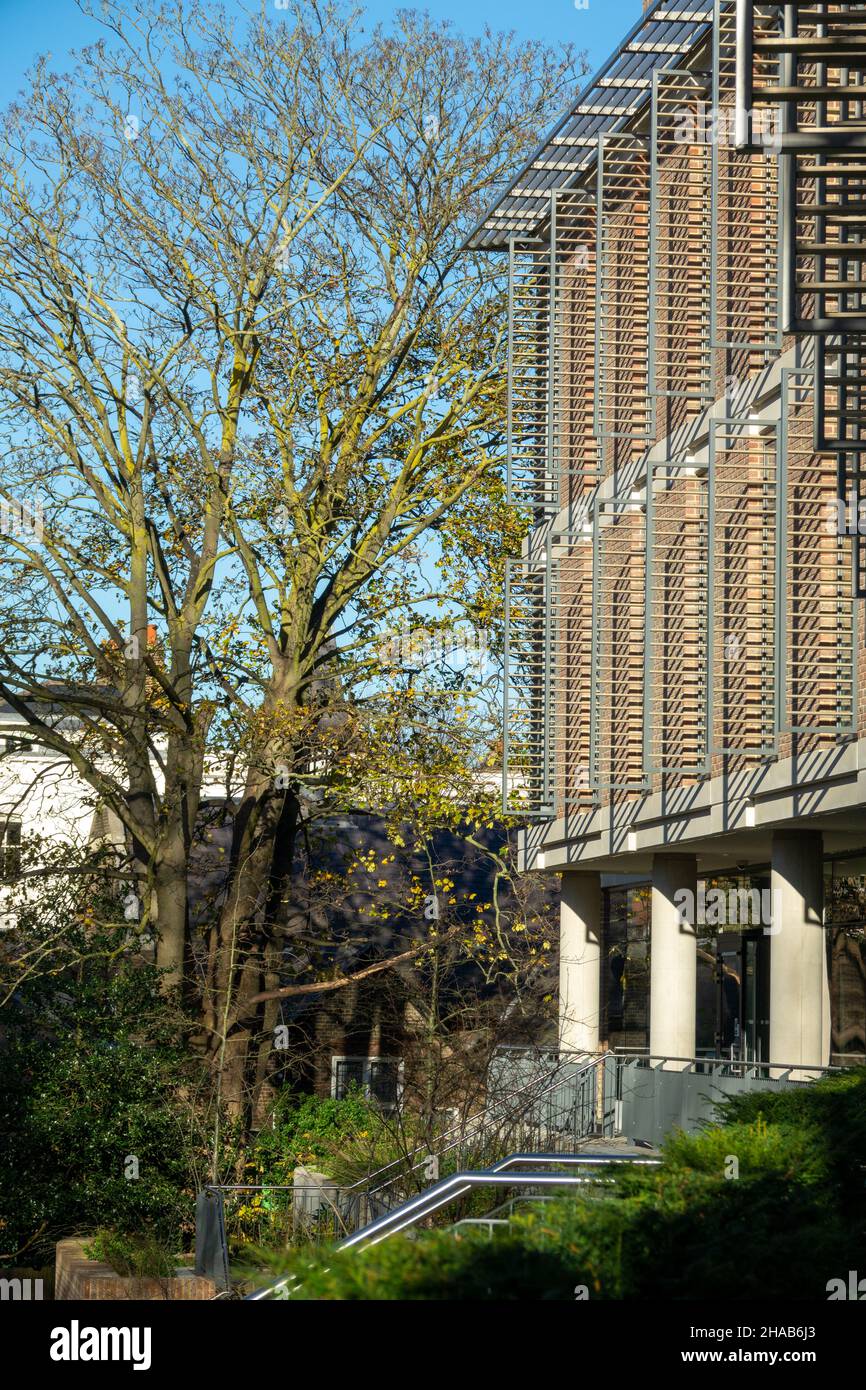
74	1122
311	1131
94	1129
348	1139
137	1257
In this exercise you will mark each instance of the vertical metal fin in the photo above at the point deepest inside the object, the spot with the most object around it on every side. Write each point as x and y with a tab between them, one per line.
530	480
575	451
527	788
623	405
746	226
744	614
676	689
680	233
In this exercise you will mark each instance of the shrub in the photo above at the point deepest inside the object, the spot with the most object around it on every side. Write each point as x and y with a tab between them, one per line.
92	1071
137	1257
72	1118
311	1131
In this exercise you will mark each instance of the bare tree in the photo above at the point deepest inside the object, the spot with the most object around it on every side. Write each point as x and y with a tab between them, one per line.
246	370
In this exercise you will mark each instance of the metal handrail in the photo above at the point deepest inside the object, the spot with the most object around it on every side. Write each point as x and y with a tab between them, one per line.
410	1212
414	1209
532	1091
460	1127
494	1216
623	1054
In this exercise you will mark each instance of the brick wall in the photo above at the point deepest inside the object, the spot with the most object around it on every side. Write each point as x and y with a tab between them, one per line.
79	1279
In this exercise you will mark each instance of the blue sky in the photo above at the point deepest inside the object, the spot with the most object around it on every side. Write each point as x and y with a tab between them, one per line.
30	27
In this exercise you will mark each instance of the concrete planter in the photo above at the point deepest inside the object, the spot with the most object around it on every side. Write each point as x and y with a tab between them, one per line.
78	1278
314	1196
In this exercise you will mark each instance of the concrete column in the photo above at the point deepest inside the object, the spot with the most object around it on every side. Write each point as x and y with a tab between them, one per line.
799	988
579	961
673	956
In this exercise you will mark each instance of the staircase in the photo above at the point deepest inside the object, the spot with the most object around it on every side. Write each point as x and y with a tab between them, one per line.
578	1104
533	1102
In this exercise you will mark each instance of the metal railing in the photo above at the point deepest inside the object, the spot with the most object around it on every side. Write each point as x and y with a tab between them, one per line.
450	1189
495	1218
572	1097
612	1075
560	1103
722	1066
417	1208
655	1095
555	1104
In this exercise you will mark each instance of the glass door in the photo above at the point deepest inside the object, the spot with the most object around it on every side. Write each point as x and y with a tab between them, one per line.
742	997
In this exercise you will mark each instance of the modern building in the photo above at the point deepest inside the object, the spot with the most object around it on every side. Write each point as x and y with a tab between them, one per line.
685	701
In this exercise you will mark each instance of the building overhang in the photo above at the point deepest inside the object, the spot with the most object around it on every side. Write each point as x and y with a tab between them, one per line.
667	30
727	821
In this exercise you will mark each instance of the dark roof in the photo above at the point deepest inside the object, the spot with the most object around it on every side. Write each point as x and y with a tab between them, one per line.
668	29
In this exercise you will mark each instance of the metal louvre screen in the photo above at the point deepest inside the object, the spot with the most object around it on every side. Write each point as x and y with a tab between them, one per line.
744	499
526	787
805	66
853	487
571	603
841	385
619	597
676	693
818	695
829	251
680	233
840	428
576	458
530	479
623	406
745	254
802	54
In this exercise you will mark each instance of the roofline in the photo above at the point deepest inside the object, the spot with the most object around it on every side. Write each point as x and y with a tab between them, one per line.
568	114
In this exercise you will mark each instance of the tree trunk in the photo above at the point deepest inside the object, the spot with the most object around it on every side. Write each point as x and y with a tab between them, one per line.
172	922
245	949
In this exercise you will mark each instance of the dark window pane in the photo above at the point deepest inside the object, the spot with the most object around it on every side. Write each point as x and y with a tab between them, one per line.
349	1076
384	1080
10	849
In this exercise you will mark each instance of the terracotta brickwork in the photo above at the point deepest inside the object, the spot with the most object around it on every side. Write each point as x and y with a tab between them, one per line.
630	697
685	608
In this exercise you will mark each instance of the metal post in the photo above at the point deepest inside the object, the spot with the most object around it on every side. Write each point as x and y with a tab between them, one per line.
211	1249
551	472
743	80
711	588
780	615
649	541
505	680
509	349
788	187
599	285
546	794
